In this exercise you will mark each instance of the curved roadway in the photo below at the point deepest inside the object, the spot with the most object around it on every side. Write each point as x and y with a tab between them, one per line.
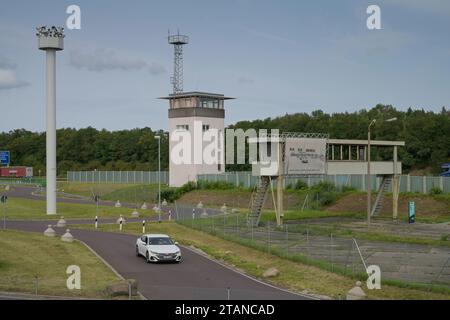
197	277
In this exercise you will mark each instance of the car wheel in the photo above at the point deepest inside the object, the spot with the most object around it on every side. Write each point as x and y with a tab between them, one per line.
180	261
137	252
147	257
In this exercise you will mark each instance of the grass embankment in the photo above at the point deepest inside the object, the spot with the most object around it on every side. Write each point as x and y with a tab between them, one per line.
18	208
23	256
129	193
296	276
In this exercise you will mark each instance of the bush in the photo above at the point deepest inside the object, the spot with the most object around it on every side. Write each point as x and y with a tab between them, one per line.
300	185
348	189
169	194
217	185
324	186
172	194
435	191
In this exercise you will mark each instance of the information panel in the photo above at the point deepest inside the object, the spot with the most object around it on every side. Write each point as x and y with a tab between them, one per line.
4	157
305	156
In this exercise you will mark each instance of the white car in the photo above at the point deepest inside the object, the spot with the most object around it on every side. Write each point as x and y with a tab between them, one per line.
157	248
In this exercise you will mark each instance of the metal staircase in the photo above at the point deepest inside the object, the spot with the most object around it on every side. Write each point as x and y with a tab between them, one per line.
258	200
383	189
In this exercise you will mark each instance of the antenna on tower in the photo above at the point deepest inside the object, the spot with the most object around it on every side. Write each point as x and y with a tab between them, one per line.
177	79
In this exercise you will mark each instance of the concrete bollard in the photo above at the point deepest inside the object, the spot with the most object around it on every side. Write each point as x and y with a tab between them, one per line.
234	210
144	206
164	203
118	204
200	205
204	213
223	209
356	293
61	223
67	237
7	187
135	214
49	232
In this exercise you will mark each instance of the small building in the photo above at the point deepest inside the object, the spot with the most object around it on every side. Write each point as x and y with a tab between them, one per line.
194	113
16	172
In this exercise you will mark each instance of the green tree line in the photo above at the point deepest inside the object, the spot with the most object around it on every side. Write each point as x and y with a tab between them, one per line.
426	133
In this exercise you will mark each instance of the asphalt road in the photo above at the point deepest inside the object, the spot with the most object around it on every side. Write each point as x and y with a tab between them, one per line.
197	277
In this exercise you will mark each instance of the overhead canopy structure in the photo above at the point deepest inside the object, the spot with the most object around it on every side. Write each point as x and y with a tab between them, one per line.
307	154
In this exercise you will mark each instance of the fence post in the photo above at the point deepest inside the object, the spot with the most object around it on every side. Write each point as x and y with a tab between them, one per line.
36	284
287	239
331	251
424	184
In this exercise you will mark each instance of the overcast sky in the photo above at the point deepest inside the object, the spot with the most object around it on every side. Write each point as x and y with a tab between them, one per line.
275	57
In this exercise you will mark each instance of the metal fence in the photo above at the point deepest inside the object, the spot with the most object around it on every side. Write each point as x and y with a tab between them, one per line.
128	177
419	184
305	242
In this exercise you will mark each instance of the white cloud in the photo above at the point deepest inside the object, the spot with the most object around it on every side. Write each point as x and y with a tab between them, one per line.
374	43
8	75
8	80
103	59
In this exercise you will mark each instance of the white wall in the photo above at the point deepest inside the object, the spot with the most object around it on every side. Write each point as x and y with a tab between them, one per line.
179	174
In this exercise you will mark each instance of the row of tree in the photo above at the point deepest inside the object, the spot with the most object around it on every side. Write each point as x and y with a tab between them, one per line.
426	133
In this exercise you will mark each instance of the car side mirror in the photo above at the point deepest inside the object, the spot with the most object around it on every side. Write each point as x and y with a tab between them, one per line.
176	243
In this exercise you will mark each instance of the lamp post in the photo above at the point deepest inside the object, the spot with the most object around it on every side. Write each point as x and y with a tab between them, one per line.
159	177
51	40
369	182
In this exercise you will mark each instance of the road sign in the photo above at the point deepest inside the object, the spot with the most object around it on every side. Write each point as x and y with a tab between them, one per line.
4	157
412	212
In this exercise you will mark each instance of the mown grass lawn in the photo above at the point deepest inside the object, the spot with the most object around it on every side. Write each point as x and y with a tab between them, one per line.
129	193
295	276
25	256
18	208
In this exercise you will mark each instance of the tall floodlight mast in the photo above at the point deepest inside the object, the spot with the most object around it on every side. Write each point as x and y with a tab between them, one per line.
51	40
178	41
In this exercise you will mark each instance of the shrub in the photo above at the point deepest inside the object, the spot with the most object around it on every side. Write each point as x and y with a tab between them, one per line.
217	185
347	189
435	191
324	186
170	194
300	185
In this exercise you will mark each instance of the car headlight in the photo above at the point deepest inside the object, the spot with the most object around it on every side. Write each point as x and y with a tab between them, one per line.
153	252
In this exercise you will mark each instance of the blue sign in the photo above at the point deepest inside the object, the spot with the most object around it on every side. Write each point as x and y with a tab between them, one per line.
4	157
412	212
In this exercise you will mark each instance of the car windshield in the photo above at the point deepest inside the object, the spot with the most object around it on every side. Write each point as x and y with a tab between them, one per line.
160	241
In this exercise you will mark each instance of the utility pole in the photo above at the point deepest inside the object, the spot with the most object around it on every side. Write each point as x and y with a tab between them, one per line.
159	177
369	182
51	40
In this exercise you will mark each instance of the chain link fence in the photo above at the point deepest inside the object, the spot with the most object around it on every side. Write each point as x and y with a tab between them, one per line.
419	184
125	177
412	263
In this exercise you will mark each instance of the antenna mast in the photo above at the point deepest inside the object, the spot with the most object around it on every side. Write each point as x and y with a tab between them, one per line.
177	79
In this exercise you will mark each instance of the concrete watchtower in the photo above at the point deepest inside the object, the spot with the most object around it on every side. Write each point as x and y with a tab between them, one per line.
196	113
193	113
